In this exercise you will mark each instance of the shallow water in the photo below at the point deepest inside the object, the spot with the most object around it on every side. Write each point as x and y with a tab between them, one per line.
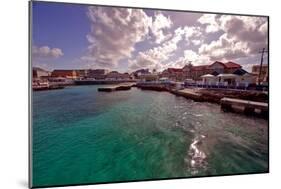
84	136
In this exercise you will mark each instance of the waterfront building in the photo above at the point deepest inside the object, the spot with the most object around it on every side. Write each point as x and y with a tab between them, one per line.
137	74
231	67
174	74
263	75
239	77
69	74
39	73
114	75
98	74
148	77
126	76
195	72
83	73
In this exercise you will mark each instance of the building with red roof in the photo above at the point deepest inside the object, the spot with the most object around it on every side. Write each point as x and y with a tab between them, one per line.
71	74
173	74
194	72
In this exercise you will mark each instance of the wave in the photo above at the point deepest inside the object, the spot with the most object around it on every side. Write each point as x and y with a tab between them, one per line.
197	158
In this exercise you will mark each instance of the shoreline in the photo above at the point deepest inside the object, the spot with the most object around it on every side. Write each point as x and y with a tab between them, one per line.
210	95
245	105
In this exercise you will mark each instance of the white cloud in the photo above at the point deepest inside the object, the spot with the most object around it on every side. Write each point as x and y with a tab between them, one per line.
46	52
190	56
210	21
154	57
158	26
243	36
193	35
197	41
224	49
114	33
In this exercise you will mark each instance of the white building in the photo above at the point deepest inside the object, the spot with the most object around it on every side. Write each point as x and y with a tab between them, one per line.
238	78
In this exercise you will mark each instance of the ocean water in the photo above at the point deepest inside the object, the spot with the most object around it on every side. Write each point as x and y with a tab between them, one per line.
84	136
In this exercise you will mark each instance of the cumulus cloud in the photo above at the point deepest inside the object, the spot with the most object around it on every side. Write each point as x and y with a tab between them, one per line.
158	26
189	56
224	49
193	35
197	41
210	20
46	52
242	36
153	58
201	38
114	33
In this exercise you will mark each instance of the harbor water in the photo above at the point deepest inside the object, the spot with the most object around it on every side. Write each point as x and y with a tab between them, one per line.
83	136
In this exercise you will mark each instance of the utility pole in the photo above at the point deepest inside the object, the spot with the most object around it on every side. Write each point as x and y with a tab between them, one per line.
262	53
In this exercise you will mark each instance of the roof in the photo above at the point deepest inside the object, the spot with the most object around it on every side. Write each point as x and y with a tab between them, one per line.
39	69
240	71
227	65
63	72
198	68
113	72
175	69
217	62
141	71
215	73
232	65
207	76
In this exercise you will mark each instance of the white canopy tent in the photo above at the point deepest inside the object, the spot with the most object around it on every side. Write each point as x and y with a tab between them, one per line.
227	76
208	76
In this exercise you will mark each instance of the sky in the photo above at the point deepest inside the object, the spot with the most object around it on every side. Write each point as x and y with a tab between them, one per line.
72	36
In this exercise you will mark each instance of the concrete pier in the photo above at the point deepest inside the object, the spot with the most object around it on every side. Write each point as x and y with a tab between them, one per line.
250	107
188	93
121	87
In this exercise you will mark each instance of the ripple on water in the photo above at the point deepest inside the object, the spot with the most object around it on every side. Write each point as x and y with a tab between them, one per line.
197	158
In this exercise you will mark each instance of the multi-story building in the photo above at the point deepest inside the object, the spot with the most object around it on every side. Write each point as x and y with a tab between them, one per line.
137	74
39	73
83	73
98	73
175	74
114	75
69	74
261	76
195	72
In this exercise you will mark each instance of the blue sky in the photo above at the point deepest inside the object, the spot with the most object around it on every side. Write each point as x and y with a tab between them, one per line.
63	27
68	36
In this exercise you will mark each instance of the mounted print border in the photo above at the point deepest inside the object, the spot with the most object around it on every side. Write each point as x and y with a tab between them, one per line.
126	94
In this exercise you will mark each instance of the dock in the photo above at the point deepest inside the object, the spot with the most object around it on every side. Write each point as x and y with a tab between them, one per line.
249	107
44	88
152	87
121	87
188	93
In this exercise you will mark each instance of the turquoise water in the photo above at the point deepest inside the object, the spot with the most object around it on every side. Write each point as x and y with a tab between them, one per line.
84	136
